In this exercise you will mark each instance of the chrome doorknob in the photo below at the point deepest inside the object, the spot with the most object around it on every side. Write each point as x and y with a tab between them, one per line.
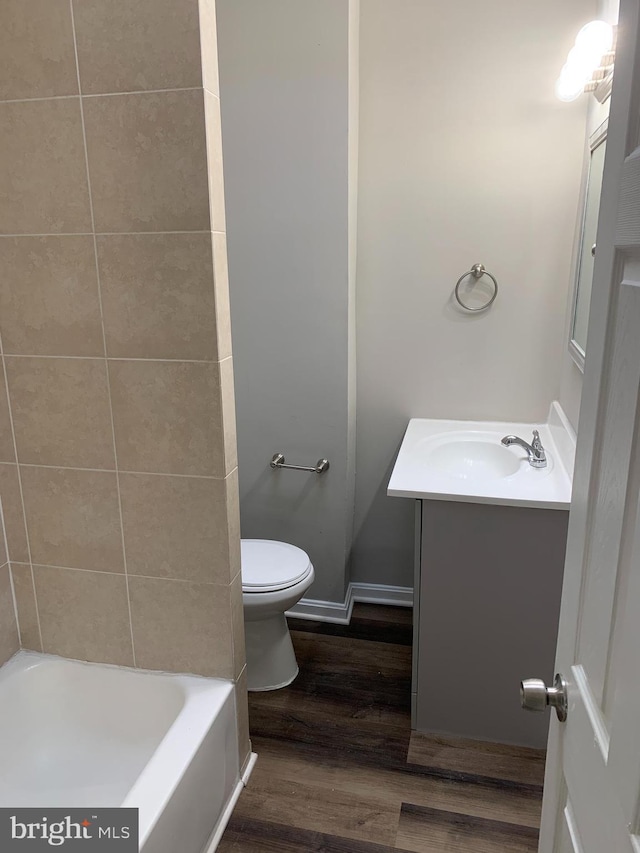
536	696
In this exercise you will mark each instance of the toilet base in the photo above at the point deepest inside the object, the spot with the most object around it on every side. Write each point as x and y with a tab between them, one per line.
273	686
271	660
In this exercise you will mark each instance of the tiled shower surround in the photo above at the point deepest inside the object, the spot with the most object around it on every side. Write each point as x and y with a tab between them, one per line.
117	434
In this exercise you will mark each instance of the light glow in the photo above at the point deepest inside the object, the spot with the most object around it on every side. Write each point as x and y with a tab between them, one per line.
593	41
595	37
569	87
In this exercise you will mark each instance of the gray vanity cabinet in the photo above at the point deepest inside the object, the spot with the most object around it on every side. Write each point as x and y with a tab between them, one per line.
487	601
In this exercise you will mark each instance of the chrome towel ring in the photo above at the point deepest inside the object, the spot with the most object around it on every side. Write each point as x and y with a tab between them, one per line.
477	271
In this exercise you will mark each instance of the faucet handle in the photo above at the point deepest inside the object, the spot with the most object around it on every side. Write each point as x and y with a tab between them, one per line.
539	456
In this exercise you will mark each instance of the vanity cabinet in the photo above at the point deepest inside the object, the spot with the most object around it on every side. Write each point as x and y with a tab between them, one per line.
491	534
488	582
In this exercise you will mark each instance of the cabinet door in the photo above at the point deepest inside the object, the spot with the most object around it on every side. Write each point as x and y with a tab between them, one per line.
490	586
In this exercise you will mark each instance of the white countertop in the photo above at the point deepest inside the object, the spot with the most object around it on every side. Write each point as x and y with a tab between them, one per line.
487	473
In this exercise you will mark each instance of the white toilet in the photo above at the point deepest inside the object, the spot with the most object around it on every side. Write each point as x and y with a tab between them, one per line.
275	576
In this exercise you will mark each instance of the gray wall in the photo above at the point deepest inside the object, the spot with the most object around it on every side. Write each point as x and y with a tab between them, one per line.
285	97
465	156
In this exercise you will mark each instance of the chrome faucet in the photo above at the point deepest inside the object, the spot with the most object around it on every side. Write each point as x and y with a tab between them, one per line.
535	450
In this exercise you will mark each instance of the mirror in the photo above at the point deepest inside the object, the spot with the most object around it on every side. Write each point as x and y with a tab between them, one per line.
587	247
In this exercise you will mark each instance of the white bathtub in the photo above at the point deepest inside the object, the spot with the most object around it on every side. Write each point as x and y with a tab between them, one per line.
77	734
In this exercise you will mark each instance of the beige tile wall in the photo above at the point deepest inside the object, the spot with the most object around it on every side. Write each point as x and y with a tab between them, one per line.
117	431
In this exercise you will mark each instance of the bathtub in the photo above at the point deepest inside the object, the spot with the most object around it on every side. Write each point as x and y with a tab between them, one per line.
76	734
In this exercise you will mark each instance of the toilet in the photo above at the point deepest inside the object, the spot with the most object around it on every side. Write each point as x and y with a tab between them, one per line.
275	576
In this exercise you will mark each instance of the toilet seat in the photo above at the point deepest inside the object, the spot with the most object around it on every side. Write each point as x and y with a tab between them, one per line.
269	565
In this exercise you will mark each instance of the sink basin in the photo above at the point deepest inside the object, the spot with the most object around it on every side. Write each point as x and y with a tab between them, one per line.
471	458
450	460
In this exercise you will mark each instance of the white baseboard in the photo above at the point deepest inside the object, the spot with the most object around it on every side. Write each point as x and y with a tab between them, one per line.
324	611
378	593
340	612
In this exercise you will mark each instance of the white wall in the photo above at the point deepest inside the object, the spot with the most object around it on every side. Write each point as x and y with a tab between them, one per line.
290	188
465	156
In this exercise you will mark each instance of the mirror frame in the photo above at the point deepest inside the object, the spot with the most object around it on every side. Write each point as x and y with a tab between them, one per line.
595	140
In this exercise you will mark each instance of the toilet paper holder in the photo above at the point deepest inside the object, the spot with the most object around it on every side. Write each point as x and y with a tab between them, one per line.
278	461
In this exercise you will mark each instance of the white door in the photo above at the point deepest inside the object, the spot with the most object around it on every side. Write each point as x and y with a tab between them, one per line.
592	787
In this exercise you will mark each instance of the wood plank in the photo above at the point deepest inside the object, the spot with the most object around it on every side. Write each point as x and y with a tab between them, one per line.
427	830
366	624
384	614
362	744
515	804
305	807
517	763
352	679
381	698
325	652
249	835
318	735
337	704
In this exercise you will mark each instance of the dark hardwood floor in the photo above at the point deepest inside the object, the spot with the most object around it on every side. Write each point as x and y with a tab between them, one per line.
339	770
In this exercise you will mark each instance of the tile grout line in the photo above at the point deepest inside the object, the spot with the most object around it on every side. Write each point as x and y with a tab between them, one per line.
58	234
109	234
222	584
121	358
39	100
24	511
80	95
140	92
104	335
123	471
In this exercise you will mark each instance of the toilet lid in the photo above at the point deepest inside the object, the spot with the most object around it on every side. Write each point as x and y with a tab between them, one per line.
268	565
